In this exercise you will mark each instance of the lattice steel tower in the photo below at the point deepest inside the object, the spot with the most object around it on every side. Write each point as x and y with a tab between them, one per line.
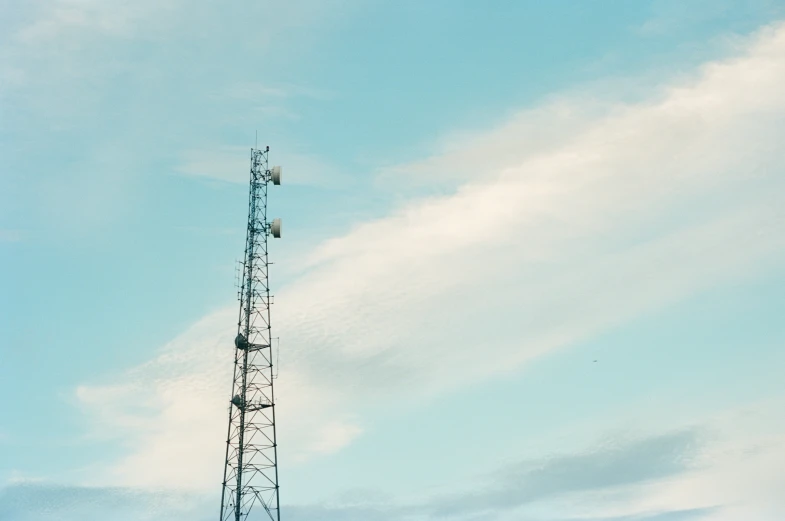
250	484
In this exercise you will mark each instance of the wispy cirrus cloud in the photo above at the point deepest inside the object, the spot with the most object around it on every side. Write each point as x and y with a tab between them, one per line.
719	468
11	235
88	77
60	20
254	91
50	502
671	16
615	463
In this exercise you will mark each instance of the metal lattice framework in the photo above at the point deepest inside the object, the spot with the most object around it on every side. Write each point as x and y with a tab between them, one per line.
250	484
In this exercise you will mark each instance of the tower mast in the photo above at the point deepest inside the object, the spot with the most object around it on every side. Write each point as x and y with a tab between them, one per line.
251	469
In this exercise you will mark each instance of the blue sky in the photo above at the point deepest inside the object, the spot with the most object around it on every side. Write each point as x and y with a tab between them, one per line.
479	201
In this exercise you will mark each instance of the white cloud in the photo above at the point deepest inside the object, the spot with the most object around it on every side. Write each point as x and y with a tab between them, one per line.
226	163
715	468
62	19
634	208
736	476
114	89
334	435
172	412
251	91
11	235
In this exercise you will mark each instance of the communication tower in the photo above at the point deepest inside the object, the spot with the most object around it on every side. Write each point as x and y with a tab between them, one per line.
250	484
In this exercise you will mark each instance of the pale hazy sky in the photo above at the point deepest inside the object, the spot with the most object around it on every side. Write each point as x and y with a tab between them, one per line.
532	265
